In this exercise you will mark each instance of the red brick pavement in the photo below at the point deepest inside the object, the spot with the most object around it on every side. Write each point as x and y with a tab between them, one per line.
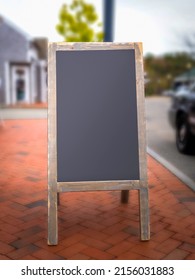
92	225
24	105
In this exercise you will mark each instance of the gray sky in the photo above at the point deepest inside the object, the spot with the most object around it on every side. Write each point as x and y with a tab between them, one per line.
159	24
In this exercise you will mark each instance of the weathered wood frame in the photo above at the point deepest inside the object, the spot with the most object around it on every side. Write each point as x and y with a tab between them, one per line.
55	187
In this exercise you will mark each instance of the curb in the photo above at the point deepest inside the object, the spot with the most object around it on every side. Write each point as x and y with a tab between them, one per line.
185	179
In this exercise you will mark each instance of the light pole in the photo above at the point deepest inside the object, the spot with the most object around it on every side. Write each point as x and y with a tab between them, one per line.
108	20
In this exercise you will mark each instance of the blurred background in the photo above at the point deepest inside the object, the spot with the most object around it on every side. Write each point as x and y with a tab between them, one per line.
165	27
167	30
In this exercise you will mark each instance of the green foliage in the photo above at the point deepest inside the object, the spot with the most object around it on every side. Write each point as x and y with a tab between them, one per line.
162	70
78	22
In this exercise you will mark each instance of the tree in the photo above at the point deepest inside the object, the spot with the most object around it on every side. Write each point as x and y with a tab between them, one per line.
189	42
78	22
161	70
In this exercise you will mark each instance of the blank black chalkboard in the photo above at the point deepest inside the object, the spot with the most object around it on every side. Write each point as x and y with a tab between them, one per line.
96	124
97	130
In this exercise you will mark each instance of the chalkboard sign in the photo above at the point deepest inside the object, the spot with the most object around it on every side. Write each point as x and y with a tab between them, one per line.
96	123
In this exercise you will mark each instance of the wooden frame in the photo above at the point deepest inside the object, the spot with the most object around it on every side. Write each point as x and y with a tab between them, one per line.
54	187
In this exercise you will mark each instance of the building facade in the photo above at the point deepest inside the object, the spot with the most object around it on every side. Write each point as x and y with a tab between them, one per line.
23	68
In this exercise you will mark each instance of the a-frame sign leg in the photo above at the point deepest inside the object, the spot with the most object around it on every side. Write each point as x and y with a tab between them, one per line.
144	214
52	217
124	196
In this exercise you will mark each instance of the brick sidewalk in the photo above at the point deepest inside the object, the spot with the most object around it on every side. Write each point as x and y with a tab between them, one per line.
37	105
92	225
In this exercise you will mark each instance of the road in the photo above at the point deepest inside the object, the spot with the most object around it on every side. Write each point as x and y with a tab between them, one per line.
161	141
160	136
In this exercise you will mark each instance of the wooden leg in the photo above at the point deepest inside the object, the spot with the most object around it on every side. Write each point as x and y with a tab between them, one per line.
52	218
144	214
124	196
58	198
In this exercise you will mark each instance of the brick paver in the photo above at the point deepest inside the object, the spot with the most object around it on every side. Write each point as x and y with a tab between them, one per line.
92	225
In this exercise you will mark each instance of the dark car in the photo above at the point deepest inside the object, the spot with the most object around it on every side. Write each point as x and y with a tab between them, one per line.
182	118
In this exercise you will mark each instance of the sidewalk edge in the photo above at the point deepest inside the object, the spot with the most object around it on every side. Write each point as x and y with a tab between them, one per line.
185	179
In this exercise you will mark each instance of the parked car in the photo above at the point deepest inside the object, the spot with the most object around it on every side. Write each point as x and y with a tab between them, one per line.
182	118
168	92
